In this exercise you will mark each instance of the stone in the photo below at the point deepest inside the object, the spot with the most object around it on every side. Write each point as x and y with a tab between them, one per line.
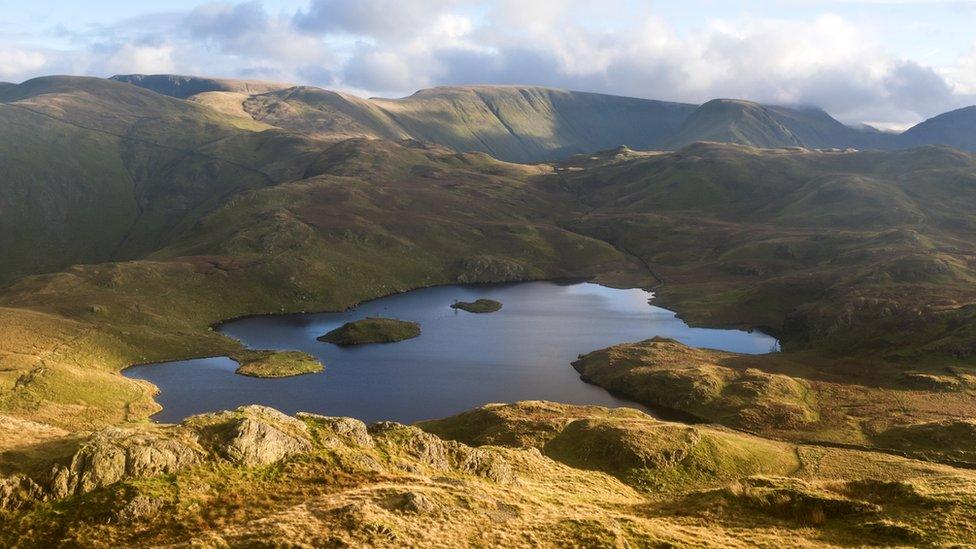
18	492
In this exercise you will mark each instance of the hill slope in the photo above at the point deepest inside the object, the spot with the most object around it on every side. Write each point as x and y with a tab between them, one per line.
748	123
96	170
532	124
956	128
183	87
513	123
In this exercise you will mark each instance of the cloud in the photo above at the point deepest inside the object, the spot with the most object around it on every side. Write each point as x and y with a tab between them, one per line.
136	58
394	47
15	61
375	18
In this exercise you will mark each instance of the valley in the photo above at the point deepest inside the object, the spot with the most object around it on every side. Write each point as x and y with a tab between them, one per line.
149	219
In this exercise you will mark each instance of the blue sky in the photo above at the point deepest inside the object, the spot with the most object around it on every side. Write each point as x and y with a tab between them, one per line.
885	62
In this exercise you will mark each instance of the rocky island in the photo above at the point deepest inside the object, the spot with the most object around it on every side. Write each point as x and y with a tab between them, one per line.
273	364
372	330
478	306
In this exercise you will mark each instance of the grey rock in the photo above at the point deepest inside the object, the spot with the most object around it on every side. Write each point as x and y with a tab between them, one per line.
254	443
139	507
113	454
347	429
18	492
415	502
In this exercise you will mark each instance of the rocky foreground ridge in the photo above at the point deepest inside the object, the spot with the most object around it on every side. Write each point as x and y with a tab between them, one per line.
525	474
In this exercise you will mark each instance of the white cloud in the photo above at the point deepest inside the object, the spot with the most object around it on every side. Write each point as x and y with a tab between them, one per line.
394	47
16	62
135	58
962	76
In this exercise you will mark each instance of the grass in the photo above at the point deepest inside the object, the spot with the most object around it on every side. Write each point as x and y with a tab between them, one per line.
272	364
860	263
478	306
405	487
372	330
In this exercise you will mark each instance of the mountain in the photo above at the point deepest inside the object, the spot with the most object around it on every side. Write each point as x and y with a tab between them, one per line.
95	169
748	123
955	128
534	124
183	87
147	219
513	123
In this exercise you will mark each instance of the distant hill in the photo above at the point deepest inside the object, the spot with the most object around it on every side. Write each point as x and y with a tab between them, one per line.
182	87
533	124
753	124
514	123
94	169
955	128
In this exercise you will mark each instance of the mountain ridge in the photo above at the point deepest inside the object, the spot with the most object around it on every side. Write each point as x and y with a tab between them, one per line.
526	123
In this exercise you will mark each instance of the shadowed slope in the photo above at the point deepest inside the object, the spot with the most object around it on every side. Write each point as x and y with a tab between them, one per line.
183	87
96	170
748	123
956	128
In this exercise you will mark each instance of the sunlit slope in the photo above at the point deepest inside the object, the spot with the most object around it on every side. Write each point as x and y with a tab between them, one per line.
514	123
183	87
323	113
531	123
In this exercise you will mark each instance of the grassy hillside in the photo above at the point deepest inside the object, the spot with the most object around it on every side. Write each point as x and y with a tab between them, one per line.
96	170
531	124
180	215
867	250
183	87
748	123
956	128
525	124
577	476
519	124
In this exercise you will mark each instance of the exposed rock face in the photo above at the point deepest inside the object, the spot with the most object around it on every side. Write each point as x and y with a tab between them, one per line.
17	492
664	372
113	454
254	443
439	454
249	436
139	507
339	430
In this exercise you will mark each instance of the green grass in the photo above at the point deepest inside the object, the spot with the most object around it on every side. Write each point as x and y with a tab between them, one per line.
372	330
271	364
478	306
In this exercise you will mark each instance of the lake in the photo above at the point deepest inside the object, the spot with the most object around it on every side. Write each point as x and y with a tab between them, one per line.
460	361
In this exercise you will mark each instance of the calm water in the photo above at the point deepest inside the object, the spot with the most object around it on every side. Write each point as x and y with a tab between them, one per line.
460	361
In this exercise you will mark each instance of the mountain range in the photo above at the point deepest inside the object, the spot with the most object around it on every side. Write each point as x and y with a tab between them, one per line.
531	124
133	218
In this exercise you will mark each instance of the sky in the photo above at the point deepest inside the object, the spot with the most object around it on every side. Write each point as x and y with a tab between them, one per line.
889	63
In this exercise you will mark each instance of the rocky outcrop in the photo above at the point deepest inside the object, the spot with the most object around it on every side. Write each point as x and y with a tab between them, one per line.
333	431
254	443
250	436
418	445
113	454
17	492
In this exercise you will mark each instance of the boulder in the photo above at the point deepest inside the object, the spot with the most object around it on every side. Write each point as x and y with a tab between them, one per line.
115	453
18	492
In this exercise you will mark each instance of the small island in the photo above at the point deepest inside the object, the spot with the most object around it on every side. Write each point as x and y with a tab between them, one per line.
372	330
275	364
479	306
